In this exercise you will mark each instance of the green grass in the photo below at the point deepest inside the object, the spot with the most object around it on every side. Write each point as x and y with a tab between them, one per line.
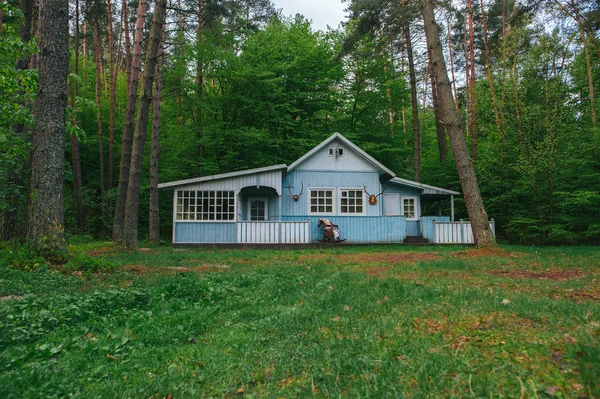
386	321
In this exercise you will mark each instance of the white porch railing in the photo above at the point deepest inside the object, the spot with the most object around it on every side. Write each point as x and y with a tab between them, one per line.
273	232
456	232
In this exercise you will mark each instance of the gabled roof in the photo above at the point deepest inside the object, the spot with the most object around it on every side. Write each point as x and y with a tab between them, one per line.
427	189
222	176
347	142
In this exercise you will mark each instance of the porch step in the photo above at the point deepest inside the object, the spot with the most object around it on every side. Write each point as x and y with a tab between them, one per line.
416	240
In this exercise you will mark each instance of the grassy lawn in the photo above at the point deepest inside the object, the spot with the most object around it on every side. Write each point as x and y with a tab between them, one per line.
382	321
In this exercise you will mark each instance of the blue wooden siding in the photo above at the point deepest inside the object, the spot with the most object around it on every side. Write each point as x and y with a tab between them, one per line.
360	229
204	232
427	225
328	179
413	228
267	179
350	161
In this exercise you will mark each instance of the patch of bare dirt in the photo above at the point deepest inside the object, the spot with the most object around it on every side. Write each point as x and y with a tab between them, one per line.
555	275
102	250
581	296
484	252
375	257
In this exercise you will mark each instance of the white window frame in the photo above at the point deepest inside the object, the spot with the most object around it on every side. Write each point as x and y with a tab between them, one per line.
266	201
364	202
417	206
335	152
333	200
195	220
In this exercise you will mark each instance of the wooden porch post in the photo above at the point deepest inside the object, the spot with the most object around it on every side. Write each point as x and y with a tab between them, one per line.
452	208
280	216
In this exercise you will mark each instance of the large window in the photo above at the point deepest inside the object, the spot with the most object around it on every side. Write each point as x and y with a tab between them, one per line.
321	201
206	205
409	208
352	201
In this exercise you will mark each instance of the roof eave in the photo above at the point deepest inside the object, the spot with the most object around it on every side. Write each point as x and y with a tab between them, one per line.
222	176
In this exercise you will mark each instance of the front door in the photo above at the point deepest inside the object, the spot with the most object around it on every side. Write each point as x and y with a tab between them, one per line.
257	209
391	204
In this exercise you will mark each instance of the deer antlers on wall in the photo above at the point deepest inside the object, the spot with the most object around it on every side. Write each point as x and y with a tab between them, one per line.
373	197
296	197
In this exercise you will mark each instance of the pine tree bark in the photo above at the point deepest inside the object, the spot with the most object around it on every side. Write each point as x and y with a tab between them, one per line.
414	104
439	126
130	231
46	216
452	67
154	219
127	140
99	113
482	234
127	41
112	98
75	156
473	92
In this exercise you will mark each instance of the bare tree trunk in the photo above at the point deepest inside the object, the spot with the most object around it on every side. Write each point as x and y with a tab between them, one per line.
467	81
128	126
473	93
112	98
75	157
99	114
199	66
85	46
452	67
482	234
130	231
414	103
46	217
388	90
127	42
154	220
439	126
489	72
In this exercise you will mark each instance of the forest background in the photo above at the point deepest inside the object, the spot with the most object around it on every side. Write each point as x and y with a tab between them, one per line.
238	86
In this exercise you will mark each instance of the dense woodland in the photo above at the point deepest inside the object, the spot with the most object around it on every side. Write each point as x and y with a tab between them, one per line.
229	85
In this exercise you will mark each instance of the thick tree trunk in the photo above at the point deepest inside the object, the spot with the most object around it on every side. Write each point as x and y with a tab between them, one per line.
75	157
112	98
482	234
46	217
439	126
154	220
452	67
99	113
130	231
128	126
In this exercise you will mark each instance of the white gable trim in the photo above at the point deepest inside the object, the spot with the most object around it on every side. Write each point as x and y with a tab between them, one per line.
347	142
222	176
426	187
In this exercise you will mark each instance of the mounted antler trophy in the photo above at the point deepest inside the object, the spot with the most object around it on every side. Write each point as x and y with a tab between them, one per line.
373	197
296	197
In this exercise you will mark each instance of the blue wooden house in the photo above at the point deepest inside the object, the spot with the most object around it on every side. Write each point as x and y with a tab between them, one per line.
282	204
